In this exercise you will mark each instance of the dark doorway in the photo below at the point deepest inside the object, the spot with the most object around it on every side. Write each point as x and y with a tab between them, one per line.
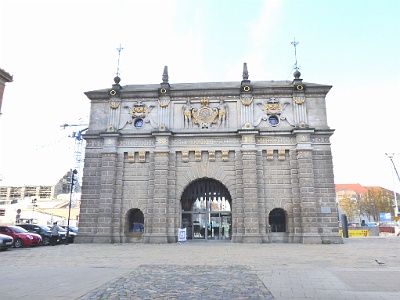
136	220
277	220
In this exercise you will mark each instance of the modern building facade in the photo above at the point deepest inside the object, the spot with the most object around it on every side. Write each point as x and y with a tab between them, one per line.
246	162
40	203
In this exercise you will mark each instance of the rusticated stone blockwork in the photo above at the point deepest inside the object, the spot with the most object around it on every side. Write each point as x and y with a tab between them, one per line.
243	162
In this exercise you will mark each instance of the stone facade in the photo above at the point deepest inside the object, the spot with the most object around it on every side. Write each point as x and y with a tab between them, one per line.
259	153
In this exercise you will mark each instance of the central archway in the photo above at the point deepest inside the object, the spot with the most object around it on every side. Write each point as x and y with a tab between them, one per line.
207	210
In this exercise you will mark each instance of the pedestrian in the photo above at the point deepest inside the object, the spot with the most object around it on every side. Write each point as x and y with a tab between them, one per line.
54	234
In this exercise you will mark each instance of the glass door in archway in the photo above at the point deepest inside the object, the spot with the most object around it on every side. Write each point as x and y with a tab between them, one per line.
206	210
220	226
199	226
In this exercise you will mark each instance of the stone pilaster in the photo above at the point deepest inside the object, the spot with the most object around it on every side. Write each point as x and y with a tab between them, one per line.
114	114
250	193
164	112
308	202
238	201
173	203
158	213
325	189
107	189
149	212
261	197
91	189
247	110
296	233
119	226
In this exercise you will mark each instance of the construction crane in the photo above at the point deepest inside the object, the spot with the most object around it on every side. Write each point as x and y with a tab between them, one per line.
78	147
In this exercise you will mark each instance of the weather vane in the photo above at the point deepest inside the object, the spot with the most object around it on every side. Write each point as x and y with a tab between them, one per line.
294	43
119	55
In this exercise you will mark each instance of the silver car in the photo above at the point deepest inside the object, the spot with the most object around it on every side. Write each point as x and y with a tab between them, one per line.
6	242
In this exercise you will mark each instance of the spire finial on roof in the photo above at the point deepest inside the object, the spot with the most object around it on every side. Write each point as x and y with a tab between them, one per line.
294	43
245	72
119	55
165	75
117	79
296	68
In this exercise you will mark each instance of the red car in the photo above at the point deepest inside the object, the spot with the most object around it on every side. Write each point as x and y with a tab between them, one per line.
21	237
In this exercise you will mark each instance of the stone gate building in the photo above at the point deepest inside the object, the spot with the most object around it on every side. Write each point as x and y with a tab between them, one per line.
246	162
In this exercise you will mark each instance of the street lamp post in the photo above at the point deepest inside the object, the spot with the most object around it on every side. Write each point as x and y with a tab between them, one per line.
73	173
33	207
396	208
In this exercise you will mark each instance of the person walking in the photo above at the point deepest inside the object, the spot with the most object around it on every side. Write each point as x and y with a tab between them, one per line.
54	234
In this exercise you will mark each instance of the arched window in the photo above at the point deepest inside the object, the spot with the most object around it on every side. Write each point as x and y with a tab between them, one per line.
277	220
136	221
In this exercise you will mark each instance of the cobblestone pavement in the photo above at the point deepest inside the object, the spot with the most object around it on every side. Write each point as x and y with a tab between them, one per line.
178	282
205	270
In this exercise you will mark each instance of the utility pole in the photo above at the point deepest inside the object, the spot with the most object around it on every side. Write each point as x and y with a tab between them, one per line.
33	207
396	207
73	173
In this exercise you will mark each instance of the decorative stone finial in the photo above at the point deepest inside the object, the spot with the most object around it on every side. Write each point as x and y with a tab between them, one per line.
116	86
297	74
245	72
165	75
163	90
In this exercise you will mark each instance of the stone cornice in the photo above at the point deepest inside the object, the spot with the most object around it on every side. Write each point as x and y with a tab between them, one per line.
210	89
5	76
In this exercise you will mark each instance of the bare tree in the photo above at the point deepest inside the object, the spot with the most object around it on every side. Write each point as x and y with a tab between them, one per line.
375	201
350	207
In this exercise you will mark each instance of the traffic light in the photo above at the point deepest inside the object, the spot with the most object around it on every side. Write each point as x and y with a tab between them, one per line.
2	212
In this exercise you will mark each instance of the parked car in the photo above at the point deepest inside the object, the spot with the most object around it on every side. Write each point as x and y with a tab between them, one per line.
71	228
21	237
6	242
63	233
44	232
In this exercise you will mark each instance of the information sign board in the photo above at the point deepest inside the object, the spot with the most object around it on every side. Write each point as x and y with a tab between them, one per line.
385	217
182	235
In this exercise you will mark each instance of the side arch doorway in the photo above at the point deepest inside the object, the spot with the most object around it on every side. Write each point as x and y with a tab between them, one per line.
136	220
277	220
206	210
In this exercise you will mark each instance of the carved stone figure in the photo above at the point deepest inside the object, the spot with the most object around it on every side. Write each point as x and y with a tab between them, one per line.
187	114
222	113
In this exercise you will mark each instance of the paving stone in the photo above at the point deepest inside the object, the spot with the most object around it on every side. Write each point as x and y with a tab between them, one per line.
180	282
204	270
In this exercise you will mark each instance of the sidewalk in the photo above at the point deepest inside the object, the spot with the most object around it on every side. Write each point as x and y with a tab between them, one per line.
211	270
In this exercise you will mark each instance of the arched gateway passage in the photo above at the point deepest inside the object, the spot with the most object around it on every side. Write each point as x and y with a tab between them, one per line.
207	210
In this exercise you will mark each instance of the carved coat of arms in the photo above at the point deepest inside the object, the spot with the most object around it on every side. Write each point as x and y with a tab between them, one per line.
204	116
